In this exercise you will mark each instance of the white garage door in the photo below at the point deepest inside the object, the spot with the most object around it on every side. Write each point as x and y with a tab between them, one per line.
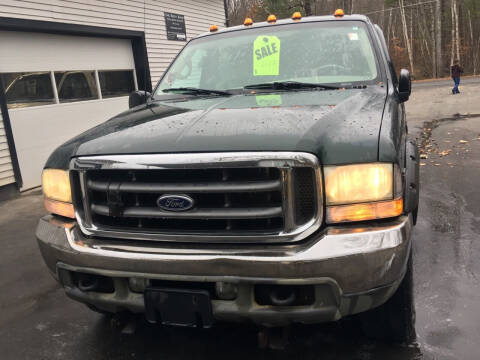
58	86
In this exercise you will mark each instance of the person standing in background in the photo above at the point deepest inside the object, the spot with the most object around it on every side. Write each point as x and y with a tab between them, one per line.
456	73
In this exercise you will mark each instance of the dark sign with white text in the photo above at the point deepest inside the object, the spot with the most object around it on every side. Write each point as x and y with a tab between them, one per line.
175	24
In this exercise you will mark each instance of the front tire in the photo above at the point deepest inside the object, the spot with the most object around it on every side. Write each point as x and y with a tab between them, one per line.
394	321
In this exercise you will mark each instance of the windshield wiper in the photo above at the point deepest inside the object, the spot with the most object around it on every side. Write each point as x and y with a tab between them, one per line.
198	91
290	85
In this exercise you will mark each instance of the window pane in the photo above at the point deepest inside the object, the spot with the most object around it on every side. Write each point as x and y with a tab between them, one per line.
191	73
116	83
28	89
76	85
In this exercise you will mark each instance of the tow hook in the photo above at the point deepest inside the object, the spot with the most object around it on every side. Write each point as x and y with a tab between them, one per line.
283	296
88	284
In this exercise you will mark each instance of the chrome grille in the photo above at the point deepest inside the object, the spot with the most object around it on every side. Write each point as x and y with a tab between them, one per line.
238	197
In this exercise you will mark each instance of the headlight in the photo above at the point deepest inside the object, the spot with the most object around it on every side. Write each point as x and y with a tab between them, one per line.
57	192
362	192
358	183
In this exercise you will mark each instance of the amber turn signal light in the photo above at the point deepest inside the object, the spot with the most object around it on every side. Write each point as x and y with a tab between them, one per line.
366	211
59	208
213	28
248	22
297	15
271	19
339	13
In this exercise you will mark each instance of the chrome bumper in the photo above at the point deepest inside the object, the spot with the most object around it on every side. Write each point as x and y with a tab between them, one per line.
353	268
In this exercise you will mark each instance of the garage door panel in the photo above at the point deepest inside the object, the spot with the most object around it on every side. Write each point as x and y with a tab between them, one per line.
22	52
40	130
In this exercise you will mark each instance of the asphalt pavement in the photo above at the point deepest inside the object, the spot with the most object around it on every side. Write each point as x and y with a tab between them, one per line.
37	321
467	80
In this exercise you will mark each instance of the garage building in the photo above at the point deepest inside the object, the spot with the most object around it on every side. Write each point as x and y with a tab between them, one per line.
68	65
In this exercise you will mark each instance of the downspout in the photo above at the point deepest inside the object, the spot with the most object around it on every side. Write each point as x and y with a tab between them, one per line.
225	6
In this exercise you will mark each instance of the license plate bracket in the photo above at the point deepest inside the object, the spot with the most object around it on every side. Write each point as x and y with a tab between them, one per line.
179	307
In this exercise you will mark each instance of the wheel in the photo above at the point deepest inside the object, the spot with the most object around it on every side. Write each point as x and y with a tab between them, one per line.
394	321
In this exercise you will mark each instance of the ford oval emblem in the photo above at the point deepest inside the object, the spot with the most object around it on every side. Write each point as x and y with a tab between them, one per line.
175	202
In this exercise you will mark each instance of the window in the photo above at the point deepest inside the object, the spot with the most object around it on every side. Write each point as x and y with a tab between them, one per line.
328	52
28	89
116	83
76	85
24	89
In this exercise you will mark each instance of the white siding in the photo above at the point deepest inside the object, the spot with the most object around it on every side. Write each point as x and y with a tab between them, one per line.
129	15
6	170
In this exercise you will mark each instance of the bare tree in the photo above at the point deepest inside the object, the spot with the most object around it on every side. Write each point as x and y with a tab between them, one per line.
421	34
405	34
457	36
438	38
452	42
434	43
473	45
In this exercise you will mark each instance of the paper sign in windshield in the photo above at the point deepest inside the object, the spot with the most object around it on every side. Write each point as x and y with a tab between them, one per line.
266	56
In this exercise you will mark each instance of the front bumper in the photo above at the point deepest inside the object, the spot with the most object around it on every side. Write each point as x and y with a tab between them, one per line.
351	268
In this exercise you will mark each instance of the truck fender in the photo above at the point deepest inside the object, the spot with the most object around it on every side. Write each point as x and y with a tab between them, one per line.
412	178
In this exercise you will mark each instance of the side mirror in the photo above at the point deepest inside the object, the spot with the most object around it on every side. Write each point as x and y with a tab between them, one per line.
404	85
138	98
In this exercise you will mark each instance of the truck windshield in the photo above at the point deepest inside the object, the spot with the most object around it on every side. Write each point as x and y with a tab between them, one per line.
329	52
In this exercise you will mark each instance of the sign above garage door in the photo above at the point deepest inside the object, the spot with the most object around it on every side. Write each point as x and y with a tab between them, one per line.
175	24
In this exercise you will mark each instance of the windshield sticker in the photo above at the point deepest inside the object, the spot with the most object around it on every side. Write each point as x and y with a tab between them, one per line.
269	100
353	36
266	56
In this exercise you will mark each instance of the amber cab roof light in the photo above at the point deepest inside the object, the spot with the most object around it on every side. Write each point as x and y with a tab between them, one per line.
339	13
213	28
297	15
272	19
248	22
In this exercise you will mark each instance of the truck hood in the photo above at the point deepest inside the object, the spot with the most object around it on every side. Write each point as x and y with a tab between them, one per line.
339	126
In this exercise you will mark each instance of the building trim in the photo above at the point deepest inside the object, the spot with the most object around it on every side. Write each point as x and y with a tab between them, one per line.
139	50
54	27
9	134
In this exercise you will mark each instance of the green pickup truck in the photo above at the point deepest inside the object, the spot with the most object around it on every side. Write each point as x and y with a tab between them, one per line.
269	178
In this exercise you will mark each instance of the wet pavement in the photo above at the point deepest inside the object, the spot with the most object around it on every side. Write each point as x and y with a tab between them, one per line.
37	321
447	240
